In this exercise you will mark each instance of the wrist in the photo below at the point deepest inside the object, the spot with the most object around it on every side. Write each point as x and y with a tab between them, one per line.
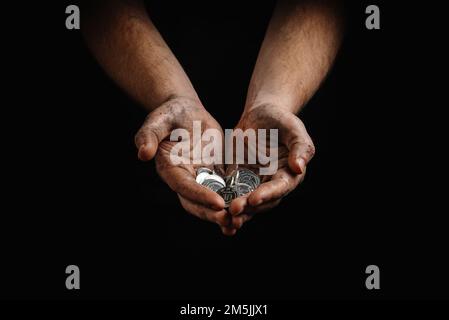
181	101
265	108
270	100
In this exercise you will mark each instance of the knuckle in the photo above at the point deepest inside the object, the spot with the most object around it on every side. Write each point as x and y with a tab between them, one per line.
310	149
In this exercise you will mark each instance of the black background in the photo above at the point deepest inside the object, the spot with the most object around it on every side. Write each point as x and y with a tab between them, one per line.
76	193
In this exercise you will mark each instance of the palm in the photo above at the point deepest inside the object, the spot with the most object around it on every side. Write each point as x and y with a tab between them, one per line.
164	164
154	139
293	139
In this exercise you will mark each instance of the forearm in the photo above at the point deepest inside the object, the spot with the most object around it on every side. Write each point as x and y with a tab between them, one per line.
299	48
130	49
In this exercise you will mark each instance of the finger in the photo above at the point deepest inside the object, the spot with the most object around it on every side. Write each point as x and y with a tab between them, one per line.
300	145
241	205
236	209
241	211
249	212
300	153
228	231
269	191
279	186
238	205
237	222
157	127
221	217
182	182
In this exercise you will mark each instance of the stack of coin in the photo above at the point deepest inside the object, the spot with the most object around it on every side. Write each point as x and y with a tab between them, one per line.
241	182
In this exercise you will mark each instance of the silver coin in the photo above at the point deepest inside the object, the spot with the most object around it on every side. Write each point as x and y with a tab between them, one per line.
243	189
203	169
213	185
202	176
248	177
228	180
228	194
217	178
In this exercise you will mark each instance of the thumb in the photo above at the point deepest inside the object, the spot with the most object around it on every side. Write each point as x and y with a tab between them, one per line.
157	127
299	144
300	153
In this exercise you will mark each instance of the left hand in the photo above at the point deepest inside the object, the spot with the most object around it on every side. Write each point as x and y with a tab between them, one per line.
295	150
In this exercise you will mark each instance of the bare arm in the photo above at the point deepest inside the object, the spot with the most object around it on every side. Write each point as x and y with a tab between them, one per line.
130	49
299	48
301	43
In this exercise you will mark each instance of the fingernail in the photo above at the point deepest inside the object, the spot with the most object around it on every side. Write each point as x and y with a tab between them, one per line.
301	165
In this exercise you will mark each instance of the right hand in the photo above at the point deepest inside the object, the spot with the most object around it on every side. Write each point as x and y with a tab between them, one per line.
153	140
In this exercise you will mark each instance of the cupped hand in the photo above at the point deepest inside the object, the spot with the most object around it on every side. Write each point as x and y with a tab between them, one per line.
153	140
295	150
